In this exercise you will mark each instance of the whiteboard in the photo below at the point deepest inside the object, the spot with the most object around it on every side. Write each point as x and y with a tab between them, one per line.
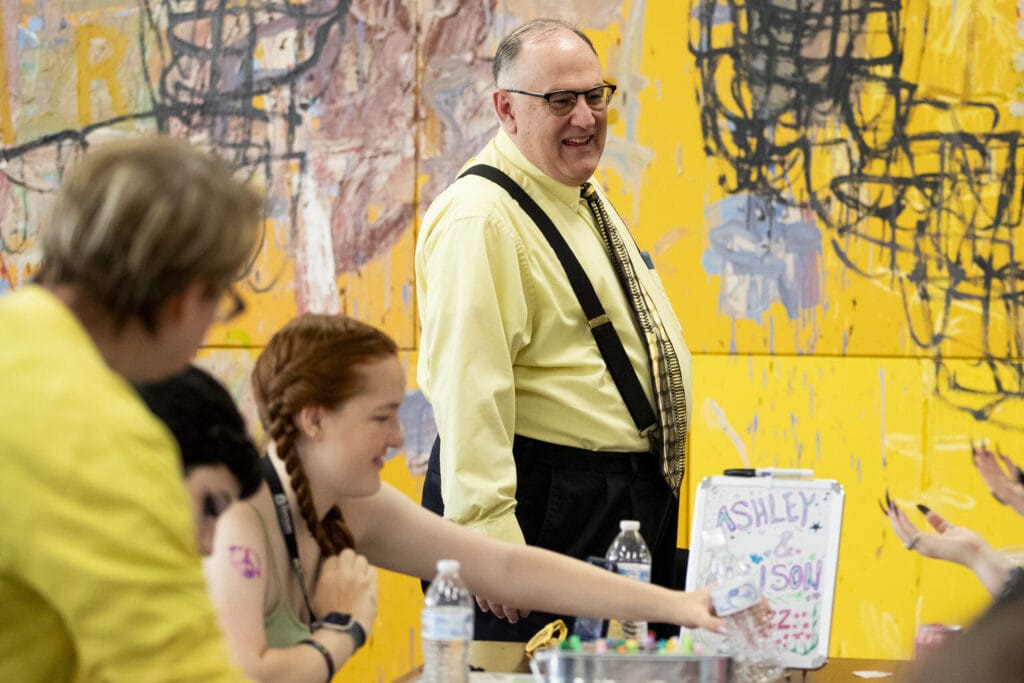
789	529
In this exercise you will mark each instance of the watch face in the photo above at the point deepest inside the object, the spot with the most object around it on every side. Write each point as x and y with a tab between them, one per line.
338	618
340	621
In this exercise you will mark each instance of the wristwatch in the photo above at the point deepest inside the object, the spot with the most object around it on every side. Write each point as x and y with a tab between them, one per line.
346	623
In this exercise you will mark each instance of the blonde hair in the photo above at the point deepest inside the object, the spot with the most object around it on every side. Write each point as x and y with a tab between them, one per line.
136	221
314	360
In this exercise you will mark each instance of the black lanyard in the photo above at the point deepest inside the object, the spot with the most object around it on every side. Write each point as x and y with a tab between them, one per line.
284	522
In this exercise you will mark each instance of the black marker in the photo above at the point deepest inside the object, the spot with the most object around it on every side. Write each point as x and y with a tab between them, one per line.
768	472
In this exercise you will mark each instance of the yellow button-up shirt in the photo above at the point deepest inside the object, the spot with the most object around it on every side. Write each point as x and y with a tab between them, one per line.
505	348
99	575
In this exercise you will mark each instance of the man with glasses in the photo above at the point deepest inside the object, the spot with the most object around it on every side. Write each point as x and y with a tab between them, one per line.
560	398
99	575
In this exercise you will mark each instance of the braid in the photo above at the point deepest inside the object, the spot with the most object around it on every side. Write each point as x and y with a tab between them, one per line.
332	535
313	361
335	527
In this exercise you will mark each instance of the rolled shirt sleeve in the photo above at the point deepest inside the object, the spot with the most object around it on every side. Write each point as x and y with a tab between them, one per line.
475	319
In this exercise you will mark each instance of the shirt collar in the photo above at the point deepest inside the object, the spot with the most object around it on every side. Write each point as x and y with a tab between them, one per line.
568	194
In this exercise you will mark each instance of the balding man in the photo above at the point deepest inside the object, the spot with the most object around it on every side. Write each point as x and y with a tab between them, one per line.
549	351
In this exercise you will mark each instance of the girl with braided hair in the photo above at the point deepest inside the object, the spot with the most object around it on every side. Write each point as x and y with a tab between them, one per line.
328	390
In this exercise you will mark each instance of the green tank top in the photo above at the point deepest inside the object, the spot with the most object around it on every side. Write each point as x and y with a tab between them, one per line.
282	626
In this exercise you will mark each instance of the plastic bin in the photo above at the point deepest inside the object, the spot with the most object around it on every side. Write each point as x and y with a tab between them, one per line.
562	666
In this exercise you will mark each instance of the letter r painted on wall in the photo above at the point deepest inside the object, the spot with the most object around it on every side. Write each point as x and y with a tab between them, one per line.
99	50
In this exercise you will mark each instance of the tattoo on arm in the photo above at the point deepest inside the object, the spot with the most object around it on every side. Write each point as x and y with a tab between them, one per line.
246	561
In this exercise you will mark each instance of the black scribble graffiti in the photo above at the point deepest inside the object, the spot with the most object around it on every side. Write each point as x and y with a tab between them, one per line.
210	82
207	89
319	102
806	111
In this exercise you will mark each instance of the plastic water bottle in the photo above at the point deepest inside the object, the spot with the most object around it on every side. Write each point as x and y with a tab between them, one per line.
591	628
447	627
736	596
632	558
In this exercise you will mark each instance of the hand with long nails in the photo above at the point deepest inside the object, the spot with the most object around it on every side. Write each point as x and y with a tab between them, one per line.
951	543
1005	480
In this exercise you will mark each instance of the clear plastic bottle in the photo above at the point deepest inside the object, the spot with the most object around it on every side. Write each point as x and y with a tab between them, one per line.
631	558
447	627
737	599
591	628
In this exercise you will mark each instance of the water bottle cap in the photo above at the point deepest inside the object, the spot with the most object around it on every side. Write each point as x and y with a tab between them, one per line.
629	525
713	537
447	566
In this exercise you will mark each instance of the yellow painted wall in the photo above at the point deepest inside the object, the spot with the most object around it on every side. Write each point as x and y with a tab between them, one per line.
399	102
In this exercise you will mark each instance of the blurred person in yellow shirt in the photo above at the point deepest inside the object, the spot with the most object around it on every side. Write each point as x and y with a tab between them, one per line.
99	575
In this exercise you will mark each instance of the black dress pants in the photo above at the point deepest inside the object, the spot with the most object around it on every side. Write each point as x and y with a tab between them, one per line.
571	500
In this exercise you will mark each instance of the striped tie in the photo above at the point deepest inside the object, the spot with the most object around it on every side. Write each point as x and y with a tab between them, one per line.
667	378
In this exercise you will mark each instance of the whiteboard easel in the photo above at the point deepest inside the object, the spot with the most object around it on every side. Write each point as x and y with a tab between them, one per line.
789	529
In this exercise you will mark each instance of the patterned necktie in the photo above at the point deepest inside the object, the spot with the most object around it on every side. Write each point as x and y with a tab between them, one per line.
669	391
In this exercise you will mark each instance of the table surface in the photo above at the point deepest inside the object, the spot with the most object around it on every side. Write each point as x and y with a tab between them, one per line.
843	670
839	670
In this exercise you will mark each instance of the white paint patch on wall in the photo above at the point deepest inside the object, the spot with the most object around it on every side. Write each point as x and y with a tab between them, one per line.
315	281
716	418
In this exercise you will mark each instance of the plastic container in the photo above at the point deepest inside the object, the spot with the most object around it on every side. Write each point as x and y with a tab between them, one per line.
631	558
736	596
561	666
447	627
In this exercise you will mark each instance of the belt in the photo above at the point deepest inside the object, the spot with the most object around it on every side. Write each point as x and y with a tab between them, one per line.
559	457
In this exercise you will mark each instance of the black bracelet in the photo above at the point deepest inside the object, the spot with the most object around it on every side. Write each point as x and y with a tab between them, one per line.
319	647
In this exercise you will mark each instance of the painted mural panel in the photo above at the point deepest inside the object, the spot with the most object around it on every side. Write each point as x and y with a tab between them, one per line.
863	195
314	101
838	180
875	426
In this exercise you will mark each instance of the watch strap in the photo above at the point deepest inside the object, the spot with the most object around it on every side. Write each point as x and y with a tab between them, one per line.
345	623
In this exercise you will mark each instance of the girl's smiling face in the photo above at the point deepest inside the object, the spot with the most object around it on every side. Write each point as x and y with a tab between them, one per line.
350	442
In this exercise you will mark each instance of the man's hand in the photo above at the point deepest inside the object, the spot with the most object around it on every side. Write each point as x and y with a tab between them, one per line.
502	611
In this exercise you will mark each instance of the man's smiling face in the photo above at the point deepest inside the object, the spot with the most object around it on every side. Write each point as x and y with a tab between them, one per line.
569	147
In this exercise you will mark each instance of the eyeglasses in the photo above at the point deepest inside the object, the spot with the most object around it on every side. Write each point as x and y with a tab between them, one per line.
230	305
561	102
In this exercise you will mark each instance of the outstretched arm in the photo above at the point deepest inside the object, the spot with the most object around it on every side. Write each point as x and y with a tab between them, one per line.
399	535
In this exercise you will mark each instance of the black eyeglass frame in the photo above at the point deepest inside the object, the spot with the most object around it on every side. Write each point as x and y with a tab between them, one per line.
235	305
575	96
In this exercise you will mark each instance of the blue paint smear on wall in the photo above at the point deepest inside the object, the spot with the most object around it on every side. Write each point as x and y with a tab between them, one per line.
764	254
417	419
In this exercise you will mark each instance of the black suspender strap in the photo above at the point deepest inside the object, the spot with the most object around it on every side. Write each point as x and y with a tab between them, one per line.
287	526
608	342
